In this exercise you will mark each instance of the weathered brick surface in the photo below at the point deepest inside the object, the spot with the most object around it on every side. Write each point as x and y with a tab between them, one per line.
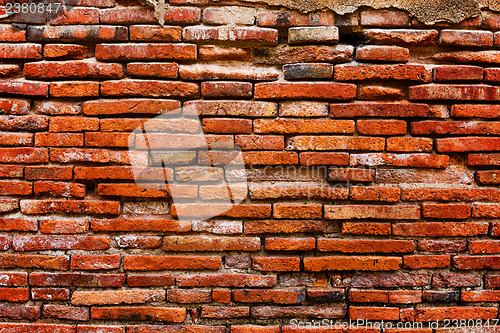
372	151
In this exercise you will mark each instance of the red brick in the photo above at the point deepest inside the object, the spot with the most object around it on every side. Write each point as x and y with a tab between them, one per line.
385	296
297	211
317	34
66	51
259	36
149	88
401	160
227	89
40	243
383	53
335	143
488	177
270	158
430	194
229	15
117	297
72	70
99	329
146	51
491	281
15	188
409	144
69	206
227	280
426	261
293	18
290	244
77	280
285	226
211	244
132	106
25	88
390	280
153	33
227	126
482	111
35	172
442	211
12	34
11	171
364	72
232	108
401	36
66	312
422	176
351	174
373	313
399	110
458	73
213	52
454	92
74	89
147	280
138	225
21	51
23	155
50	294
260	142
351	263
59	189
372	212
14	106
307	90
182	15
460	312
16	224
381	127
452	279
145	263
287	191
455	127
145	313
466	38
127	15
466	144
23	123
189	296
374	193
306	71
77	33
164	70
59	139
34	261
77	16
483	159
364	246
95	262
324	158
218	72
384	18
224	312
189	328
292	126
255	329
39	328
63	226
107	139
366	228
285	54
492	74
54	108
269	312
442	246
9	70
440	229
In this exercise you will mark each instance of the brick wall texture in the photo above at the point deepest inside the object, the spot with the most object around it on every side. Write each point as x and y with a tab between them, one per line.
372	151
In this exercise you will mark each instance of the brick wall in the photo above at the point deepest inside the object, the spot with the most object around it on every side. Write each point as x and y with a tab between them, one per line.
372	150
